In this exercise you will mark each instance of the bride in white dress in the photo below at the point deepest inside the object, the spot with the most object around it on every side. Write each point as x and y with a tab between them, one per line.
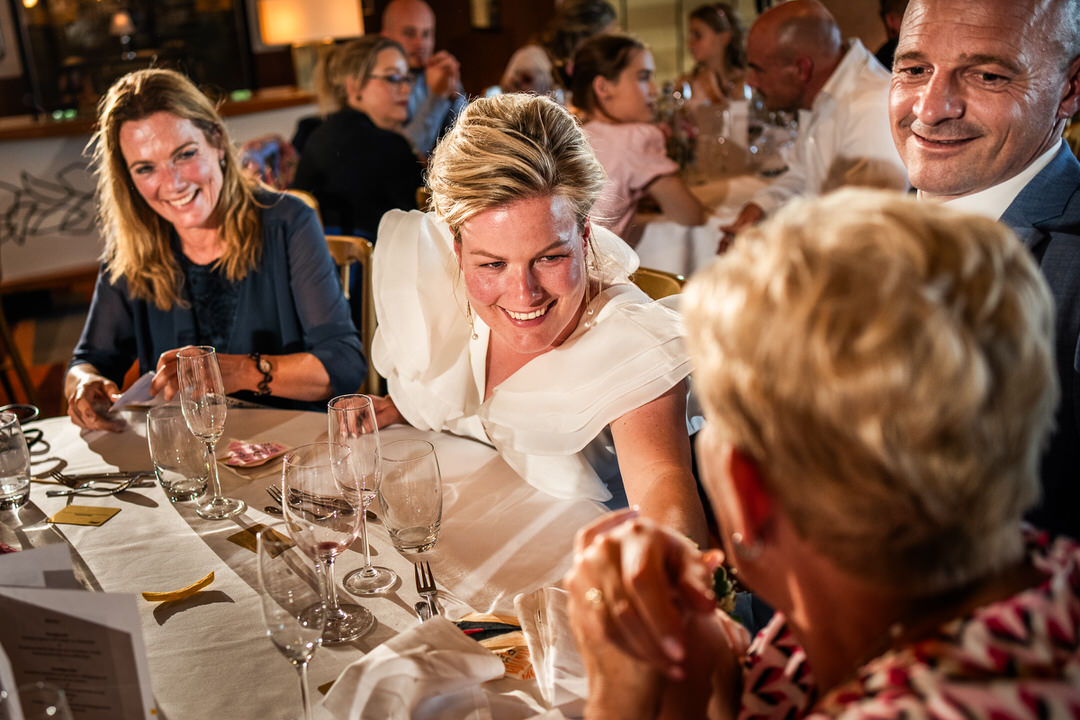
507	316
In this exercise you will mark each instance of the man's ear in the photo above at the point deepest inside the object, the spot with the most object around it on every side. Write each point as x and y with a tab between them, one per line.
805	67
1070	100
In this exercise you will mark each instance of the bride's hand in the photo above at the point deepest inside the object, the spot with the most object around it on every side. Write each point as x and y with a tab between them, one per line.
386	412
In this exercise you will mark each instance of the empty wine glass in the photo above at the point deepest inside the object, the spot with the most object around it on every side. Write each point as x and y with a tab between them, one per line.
352	423
323	523
292	603
203	402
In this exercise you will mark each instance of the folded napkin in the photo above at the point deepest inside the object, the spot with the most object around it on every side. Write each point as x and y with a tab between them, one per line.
431	670
560	671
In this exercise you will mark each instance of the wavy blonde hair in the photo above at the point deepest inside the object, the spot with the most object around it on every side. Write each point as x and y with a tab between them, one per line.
137	239
889	364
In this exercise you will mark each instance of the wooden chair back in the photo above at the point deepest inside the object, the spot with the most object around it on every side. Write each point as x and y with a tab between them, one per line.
658	283
346	250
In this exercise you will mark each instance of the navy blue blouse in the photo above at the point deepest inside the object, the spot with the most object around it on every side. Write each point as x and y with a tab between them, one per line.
290	303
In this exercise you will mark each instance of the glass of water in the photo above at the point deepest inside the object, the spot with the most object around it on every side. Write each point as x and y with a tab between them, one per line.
180	459
14	463
410	494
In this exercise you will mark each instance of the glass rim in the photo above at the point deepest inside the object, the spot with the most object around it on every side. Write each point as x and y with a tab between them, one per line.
195	351
7	417
424	448
290	456
364	398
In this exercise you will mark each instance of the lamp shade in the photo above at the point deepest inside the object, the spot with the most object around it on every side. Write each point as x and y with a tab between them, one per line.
295	22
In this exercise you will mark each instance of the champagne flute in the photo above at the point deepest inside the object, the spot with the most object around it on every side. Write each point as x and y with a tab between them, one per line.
292	604
323	523
352	423
203	402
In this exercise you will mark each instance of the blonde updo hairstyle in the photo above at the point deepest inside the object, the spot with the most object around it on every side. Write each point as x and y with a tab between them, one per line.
889	364
516	147
137	239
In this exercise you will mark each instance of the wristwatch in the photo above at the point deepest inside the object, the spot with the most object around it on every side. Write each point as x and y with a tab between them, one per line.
265	367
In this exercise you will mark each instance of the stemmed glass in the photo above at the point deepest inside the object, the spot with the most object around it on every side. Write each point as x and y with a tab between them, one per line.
323	523
352	423
292	606
203	402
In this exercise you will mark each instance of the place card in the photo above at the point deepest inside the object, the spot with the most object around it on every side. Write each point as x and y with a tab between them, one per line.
88	643
83	515
248	538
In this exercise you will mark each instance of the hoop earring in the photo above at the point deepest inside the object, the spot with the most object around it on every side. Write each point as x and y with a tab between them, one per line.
746	551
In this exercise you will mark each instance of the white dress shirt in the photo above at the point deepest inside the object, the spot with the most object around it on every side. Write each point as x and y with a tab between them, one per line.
849	119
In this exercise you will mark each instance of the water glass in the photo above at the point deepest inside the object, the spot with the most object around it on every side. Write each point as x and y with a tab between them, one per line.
180	459
14	463
410	494
292	605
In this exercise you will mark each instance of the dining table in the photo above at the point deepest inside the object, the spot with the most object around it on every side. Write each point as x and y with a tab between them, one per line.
209	655
663	244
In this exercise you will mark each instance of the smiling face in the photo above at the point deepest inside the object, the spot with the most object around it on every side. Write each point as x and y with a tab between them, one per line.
384	97
524	270
632	96
977	93
175	168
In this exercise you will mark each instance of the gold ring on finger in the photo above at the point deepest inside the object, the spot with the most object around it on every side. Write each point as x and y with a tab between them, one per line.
595	596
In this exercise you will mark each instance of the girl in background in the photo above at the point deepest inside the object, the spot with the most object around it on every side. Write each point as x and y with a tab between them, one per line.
614	88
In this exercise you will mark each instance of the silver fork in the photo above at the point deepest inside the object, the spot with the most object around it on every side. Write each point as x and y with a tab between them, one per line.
425	585
275	493
89	489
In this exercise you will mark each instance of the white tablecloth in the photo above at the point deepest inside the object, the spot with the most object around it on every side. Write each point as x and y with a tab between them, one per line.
210	658
666	245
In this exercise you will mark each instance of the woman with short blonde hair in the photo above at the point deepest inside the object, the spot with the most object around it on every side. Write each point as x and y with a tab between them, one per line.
506	315
197	253
878	380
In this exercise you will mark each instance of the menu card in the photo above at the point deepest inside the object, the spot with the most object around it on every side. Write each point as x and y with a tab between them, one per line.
88	643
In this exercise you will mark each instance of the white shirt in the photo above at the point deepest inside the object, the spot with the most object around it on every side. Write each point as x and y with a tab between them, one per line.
993	201
849	118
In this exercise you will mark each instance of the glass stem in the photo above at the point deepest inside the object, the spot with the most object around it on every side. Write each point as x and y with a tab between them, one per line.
363	534
305	696
332	608
215	483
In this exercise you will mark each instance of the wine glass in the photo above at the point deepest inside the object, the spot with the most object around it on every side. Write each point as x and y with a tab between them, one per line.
292	603
323	523
352	423
203	402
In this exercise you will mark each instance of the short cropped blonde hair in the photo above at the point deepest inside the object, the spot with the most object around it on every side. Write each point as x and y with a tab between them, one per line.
889	364
508	148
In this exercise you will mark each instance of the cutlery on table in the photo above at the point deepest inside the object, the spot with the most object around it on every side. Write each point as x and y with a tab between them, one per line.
425	585
91	489
74	480
423	612
314	501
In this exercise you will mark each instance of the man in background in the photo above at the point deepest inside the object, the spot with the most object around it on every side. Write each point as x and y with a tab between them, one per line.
892	14
981	91
436	96
798	62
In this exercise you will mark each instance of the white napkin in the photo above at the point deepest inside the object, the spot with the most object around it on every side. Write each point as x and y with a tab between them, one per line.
431	670
560	671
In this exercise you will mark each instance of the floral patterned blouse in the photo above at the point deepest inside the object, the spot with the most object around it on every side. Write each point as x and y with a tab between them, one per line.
1014	659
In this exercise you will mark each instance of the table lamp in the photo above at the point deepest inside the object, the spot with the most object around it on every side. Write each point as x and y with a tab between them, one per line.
308	25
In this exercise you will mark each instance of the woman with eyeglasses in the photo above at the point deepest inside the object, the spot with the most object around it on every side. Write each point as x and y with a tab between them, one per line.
357	164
